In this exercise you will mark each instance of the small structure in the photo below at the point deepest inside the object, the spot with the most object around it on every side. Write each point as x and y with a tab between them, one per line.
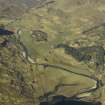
4	32
39	35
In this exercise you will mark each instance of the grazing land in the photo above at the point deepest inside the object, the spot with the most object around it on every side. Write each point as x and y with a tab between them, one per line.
52	50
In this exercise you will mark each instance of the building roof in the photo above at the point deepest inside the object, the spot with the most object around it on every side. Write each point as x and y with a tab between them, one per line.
4	32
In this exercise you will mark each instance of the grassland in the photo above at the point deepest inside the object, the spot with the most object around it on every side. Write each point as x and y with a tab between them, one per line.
23	82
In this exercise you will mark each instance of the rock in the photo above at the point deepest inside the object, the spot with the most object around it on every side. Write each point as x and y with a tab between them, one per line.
39	35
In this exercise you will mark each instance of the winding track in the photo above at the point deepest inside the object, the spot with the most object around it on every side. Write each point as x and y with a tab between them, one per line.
97	83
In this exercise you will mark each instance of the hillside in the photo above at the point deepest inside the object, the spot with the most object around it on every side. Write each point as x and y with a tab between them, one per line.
15	8
55	51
